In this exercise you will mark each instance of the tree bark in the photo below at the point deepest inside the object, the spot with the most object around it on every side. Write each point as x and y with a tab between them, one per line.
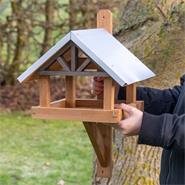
72	11
49	16
133	163
20	39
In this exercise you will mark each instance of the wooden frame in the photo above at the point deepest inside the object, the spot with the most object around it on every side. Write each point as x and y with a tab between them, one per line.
75	73
77	114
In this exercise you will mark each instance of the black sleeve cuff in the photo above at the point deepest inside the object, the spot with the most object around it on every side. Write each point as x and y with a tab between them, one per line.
151	130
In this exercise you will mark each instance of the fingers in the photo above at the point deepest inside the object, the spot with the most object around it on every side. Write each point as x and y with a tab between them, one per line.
117	106
127	108
123	125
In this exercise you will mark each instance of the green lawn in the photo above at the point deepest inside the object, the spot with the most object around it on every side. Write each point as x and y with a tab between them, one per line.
36	152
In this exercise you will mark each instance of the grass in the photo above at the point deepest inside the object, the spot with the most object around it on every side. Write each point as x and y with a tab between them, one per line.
37	152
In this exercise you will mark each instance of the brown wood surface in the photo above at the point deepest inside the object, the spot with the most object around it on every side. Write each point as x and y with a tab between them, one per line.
89	103
100	138
109	92
77	114
63	63
44	91
104	20
131	93
70	95
84	65
71	73
74	57
58	103
81	103
96	140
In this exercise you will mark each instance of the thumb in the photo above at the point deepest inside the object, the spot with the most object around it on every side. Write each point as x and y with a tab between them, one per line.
127	108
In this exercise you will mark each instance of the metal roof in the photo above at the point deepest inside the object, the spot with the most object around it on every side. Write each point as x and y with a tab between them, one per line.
105	50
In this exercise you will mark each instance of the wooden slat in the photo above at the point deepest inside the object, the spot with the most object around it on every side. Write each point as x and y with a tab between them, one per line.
81	103
70	93
131	93
44	91
106	170
58	103
57	66
62	62
96	140
74	57
78	114
70	73
109	92
89	103
84	65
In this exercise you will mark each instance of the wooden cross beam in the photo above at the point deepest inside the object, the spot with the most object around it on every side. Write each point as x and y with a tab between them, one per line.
63	63
83	65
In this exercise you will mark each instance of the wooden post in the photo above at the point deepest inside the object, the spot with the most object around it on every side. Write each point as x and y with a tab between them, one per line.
104	20
70	91
44	91
131	93
100	134
71	80
109	91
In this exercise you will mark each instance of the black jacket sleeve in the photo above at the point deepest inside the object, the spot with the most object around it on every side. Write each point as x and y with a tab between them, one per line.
166	130
157	101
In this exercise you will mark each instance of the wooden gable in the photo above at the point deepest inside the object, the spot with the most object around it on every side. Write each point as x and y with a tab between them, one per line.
72	61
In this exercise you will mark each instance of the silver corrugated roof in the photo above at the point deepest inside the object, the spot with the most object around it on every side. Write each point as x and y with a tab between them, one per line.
105	50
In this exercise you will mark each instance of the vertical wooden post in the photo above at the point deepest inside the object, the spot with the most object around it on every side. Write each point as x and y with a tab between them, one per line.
131	93
70	91
44	91
74	57
101	134
109	92
71	80
104	20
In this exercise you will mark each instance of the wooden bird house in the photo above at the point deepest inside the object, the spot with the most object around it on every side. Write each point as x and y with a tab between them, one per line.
90	52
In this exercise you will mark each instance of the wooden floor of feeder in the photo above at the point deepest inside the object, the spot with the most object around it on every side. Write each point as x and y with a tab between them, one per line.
85	110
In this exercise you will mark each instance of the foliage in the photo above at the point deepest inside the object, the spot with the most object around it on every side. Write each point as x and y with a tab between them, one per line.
43	152
30	27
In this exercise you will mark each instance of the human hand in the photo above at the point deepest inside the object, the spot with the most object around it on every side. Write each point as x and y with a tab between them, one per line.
98	85
131	124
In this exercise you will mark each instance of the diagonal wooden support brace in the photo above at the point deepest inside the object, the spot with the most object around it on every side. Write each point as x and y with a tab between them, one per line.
101	139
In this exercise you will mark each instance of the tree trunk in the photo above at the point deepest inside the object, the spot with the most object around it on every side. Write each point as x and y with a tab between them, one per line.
49	16
20	39
133	163
72	14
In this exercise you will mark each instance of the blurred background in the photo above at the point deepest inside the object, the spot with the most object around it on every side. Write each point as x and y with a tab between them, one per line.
154	30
